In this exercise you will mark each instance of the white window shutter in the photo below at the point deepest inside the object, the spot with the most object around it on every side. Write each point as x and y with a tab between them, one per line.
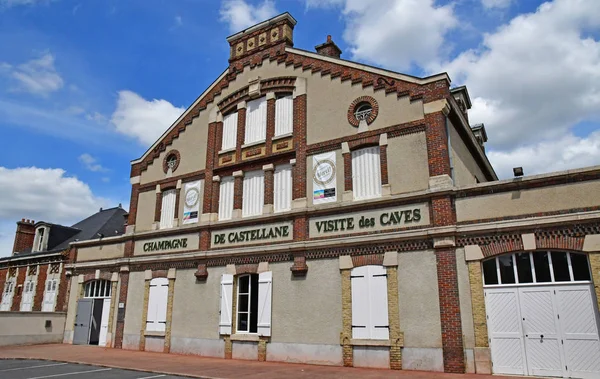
366	173
167	212
360	302
229	131
161	306
226	198
378	303
226	304
265	282
49	296
284	115
256	121
282	188
7	296
253	193
152	306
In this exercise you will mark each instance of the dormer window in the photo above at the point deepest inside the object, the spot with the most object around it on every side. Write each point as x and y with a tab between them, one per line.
40	241
41	238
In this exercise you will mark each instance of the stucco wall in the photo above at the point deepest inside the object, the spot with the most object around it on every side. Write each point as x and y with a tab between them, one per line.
418	298
145	210
339	177
464	295
315	300
537	200
408	168
114	250
191	145
196	304
26	328
465	166
135	305
72	304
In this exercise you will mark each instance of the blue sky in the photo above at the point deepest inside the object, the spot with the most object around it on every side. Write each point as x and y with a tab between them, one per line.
86	86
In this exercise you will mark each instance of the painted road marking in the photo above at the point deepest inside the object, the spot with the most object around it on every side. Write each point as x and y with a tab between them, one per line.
70	373
150	377
28	367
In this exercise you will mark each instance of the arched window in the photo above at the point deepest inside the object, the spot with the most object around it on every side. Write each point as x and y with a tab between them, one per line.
97	289
536	267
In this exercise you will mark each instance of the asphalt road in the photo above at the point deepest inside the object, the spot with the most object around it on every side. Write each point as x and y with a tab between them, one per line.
34	369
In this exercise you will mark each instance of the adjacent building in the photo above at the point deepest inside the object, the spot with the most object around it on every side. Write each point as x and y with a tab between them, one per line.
306	208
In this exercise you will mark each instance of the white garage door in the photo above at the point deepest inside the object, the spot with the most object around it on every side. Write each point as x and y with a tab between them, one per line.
542	321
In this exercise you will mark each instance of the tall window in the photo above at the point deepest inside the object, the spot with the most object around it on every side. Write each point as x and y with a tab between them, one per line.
369	303
167	210
253	193
156	320
50	295
256	121
253	304
282	188
229	131
39	239
284	115
226	198
7	295
28	292
366	173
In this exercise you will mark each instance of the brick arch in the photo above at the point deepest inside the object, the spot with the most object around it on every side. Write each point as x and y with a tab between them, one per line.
367	260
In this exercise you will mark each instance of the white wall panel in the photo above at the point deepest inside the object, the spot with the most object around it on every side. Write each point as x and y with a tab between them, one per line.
256	121
229	131
167	212
366	173
284	115
253	193
226	198
282	188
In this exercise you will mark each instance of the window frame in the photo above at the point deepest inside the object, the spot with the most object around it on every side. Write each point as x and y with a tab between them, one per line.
371	291
279	119
165	221
249	309
230	133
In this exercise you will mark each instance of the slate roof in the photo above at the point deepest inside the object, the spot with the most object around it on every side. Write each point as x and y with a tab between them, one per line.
105	223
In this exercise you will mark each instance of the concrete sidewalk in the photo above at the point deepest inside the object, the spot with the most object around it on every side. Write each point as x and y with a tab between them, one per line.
201	367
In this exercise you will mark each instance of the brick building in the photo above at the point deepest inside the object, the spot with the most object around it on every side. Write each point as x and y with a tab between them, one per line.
307	208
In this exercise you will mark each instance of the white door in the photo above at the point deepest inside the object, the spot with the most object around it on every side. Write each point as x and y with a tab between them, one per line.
541	329
104	322
504	327
49	296
579	325
7	296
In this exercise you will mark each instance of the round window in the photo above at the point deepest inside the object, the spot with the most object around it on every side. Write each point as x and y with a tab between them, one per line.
363	111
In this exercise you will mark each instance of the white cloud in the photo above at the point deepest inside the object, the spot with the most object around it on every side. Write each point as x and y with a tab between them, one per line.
143	119
239	14
497	4
533	80
91	163
97	117
37	76
42	195
394	33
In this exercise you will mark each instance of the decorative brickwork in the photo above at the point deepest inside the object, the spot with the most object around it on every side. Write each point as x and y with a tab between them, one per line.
442	209
202	273
365	260
246	269
347	171
354	107
299	124
452	338
168	157
238	195
40	287
269	187
157	207
122	299
241	131
384	164
210	197
396	336
270	124
437	144
133	204
299	268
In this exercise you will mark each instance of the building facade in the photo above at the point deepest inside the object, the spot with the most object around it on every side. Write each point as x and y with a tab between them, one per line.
306	208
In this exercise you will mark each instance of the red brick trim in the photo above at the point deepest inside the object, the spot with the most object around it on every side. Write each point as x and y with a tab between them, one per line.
299	268
452	338
442	210
384	164
38	298
189	177
299	177
437	144
157	206
63	290
270	125
246	269
133	204
241	132
177	198
367	260
202	273
269	186
278	85
167	156
122	299
216	192
347	171
159	273
211	153
359	101
238	189
19	286
364	141
255	163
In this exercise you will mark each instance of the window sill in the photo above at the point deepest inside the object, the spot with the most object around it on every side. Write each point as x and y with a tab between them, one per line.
262	141
245	337
357	342
226	150
282	136
153	334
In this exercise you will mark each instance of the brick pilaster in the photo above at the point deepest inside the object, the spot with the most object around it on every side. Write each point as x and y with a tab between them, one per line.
122	299
241	131
157	206
452	339
113	304
64	289
19	288
211	153
238	188
346	335
384	164
269	184
299	178
396	336
133	204
216	192
40	287
177	196
478	304
347	171
437	144
167	344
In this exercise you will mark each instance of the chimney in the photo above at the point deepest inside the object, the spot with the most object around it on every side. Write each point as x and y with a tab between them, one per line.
480	134
24	235
329	48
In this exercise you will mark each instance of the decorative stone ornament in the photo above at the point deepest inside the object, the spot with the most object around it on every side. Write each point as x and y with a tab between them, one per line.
364	108
171	161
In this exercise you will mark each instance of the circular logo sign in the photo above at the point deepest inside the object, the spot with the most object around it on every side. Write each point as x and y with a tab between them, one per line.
191	197
324	172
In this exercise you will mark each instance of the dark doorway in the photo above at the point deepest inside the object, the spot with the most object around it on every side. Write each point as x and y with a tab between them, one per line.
96	319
